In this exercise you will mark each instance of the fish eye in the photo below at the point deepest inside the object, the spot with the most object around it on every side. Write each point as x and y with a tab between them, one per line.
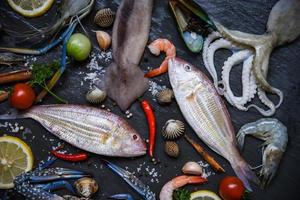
187	68
135	137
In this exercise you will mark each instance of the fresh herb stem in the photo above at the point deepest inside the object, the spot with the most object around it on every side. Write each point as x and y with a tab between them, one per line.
42	72
54	95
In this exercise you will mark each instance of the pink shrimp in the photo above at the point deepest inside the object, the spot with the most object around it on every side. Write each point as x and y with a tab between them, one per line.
166	192
155	48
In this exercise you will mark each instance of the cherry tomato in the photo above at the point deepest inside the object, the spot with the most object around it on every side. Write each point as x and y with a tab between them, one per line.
22	96
231	188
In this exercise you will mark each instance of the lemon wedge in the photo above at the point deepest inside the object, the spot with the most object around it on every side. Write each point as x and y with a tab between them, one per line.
29	8
15	158
204	195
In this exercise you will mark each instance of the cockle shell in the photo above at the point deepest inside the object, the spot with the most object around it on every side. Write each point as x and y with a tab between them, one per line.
86	187
192	168
95	96
104	17
172	149
103	39
165	96
173	129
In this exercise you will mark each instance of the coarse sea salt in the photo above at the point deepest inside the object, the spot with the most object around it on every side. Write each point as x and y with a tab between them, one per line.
11	127
154	88
207	172
95	70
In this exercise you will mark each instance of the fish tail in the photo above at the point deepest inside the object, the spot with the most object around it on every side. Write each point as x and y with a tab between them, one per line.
12	114
244	172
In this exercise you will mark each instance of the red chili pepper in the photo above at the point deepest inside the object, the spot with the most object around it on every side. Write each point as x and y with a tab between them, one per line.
151	125
69	157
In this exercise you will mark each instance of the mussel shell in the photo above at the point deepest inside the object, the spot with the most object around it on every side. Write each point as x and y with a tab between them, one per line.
165	96
104	17
172	149
192	168
173	129
86	187
96	96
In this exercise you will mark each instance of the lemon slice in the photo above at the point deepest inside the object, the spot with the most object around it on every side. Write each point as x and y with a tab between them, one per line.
30	8
204	195
15	158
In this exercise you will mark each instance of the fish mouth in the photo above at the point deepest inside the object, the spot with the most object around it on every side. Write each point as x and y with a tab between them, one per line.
134	150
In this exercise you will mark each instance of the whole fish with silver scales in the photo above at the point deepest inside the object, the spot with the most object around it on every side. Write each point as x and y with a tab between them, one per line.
88	128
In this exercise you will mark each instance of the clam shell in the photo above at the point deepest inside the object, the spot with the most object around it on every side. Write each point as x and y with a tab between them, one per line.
104	17
86	187
95	96
172	149
192	168
104	39
165	96
173	129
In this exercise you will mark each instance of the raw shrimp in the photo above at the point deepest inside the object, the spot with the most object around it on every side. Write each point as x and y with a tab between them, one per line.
155	48
166	192
274	133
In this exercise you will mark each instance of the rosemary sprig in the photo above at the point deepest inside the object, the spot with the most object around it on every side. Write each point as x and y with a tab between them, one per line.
42	72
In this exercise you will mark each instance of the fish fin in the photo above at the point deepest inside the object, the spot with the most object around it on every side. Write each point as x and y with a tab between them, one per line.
244	172
12	114
124	84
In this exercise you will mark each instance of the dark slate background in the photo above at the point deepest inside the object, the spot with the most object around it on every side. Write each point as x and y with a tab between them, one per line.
284	71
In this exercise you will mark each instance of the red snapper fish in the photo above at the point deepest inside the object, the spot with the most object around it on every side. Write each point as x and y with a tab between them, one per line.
206	113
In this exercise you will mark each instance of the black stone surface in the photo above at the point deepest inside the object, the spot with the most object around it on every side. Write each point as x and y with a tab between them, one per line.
284	71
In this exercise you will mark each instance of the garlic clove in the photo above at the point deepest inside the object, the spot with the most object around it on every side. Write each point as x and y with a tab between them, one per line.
104	40
192	168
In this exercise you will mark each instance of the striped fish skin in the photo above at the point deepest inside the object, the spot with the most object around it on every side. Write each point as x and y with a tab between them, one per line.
206	113
91	129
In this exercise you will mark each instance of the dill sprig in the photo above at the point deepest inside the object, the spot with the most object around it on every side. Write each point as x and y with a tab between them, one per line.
42	72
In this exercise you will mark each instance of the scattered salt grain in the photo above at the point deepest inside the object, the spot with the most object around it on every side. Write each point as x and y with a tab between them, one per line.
154	88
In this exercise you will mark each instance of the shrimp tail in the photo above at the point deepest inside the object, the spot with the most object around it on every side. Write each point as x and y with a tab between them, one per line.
196	180
243	171
158	71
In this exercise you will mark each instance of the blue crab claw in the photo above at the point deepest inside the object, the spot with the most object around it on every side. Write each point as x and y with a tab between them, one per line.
122	196
53	174
121	172
132	180
56	185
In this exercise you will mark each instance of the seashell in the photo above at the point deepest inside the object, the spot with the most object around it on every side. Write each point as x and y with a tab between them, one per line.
172	149
165	96
192	168
104	17
95	96
104	39
70	197
173	129
86	187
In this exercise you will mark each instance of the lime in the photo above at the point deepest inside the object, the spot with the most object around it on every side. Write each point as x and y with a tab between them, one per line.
29	8
15	158
204	195
79	46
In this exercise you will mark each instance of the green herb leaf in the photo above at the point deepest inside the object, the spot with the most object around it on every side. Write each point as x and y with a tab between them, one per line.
181	194
42	72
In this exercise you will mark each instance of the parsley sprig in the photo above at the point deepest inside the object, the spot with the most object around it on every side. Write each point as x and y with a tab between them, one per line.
42	72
